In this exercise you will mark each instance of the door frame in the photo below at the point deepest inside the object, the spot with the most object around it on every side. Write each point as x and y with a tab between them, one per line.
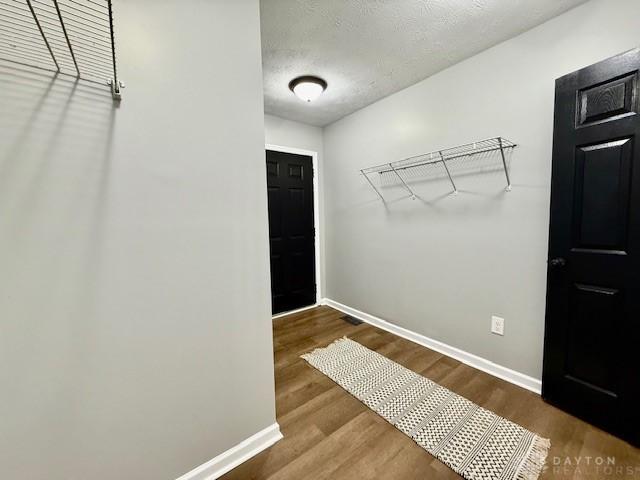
316	218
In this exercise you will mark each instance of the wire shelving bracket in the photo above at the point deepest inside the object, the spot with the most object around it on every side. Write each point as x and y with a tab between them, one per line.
495	144
70	37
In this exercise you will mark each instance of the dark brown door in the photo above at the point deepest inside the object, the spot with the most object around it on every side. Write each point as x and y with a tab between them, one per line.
291	231
592	341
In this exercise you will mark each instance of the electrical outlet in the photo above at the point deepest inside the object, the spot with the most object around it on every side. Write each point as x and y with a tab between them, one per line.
497	325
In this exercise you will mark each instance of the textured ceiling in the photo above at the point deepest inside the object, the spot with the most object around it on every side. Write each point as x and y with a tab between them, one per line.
368	49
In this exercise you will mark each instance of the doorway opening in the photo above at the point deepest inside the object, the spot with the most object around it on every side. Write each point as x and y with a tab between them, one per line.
293	204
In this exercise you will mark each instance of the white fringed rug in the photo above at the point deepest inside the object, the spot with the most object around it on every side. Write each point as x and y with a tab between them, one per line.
474	442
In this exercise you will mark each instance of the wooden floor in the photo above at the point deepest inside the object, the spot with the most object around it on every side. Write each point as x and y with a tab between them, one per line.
328	434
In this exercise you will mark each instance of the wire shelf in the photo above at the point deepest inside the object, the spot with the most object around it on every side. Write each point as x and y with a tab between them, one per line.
70	37
401	169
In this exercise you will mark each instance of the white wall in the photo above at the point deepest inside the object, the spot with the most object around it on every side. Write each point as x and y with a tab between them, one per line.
135	326
283	132
442	265
287	133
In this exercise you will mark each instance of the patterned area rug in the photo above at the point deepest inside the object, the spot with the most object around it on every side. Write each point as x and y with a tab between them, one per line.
474	442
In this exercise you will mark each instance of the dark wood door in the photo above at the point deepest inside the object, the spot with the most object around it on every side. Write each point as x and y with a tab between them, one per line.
291	231
592	340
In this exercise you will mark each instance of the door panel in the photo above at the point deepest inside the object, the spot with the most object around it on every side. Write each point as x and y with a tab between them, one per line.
610	100
587	360
602	195
593	281
291	230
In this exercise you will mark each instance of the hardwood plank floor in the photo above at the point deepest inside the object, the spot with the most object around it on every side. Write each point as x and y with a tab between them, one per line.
328	434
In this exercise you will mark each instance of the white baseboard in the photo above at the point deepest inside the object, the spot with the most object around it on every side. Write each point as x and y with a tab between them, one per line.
226	461
517	378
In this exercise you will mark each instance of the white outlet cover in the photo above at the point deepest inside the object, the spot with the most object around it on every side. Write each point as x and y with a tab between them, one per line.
497	325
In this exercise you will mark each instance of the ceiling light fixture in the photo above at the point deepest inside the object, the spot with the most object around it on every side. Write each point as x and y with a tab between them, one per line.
307	88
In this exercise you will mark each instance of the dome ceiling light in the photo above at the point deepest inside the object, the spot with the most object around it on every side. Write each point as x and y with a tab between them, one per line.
307	88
